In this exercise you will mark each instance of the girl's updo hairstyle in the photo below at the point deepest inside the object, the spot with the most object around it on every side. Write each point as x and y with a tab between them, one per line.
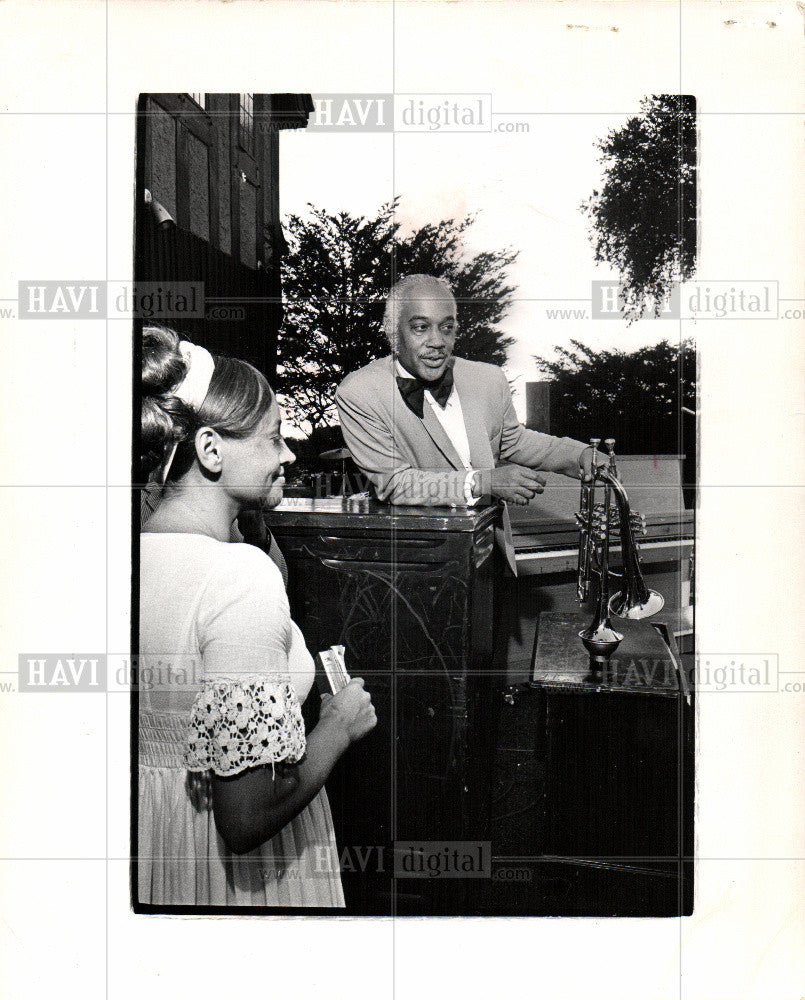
237	400
164	418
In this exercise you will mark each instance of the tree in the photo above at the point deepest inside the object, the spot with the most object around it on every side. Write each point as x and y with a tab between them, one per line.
645	399
643	220
335	277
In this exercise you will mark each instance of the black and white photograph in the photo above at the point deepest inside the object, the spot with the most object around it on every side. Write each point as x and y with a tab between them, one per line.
409	498
496	745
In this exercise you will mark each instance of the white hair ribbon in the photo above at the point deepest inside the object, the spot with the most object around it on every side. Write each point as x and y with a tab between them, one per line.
196	383
194	386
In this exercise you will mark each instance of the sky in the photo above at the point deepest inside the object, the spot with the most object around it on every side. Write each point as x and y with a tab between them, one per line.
526	190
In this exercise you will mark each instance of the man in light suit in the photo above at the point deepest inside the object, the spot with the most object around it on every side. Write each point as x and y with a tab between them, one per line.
429	428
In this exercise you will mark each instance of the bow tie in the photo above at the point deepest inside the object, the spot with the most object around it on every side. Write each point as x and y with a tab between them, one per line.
412	390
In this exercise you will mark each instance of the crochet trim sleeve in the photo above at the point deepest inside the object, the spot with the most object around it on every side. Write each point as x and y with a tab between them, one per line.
243	722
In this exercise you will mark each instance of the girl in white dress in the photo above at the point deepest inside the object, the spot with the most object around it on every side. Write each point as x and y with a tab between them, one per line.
232	809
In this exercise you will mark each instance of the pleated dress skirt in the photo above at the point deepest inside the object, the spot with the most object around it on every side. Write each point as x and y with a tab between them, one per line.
182	859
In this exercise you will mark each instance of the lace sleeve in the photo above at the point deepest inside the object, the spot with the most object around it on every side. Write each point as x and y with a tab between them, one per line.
243	722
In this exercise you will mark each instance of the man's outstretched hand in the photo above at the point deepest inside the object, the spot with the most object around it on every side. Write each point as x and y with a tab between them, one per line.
586	463
516	484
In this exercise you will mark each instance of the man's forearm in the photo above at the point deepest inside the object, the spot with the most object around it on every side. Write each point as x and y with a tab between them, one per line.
545	453
421	487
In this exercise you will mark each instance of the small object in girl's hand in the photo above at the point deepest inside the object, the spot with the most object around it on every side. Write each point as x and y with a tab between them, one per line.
331	661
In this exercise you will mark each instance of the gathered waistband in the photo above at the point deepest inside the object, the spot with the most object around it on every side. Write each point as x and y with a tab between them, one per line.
163	738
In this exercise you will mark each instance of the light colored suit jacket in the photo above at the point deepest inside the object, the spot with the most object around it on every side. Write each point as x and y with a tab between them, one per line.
412	461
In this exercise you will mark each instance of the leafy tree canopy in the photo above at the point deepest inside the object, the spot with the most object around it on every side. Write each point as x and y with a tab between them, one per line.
643	220
645	399
336	275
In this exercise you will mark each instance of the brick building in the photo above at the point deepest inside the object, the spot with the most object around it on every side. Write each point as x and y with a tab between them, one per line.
208	209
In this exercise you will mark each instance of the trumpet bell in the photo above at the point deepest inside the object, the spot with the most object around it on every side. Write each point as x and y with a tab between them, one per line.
600	639
635	609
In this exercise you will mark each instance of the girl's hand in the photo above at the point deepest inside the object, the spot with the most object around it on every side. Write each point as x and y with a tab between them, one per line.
351	709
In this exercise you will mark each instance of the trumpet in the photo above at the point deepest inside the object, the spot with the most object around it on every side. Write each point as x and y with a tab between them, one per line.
598	524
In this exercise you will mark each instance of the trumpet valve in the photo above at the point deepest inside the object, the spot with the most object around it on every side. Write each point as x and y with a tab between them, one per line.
638	522
610	446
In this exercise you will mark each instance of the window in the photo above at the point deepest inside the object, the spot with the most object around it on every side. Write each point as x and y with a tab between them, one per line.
246	119
200	99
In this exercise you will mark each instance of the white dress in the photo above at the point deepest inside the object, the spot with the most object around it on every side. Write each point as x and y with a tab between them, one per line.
222	673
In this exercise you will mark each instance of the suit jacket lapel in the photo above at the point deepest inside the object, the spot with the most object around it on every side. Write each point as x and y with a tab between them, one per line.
481	456
429	421
439	435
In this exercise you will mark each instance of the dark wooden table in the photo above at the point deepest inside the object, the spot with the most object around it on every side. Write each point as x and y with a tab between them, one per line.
409	593
592	779
619	759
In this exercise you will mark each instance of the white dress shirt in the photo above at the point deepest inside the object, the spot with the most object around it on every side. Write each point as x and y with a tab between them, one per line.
451	417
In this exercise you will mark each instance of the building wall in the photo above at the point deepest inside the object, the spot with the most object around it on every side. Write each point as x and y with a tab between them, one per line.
221	189
214	183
